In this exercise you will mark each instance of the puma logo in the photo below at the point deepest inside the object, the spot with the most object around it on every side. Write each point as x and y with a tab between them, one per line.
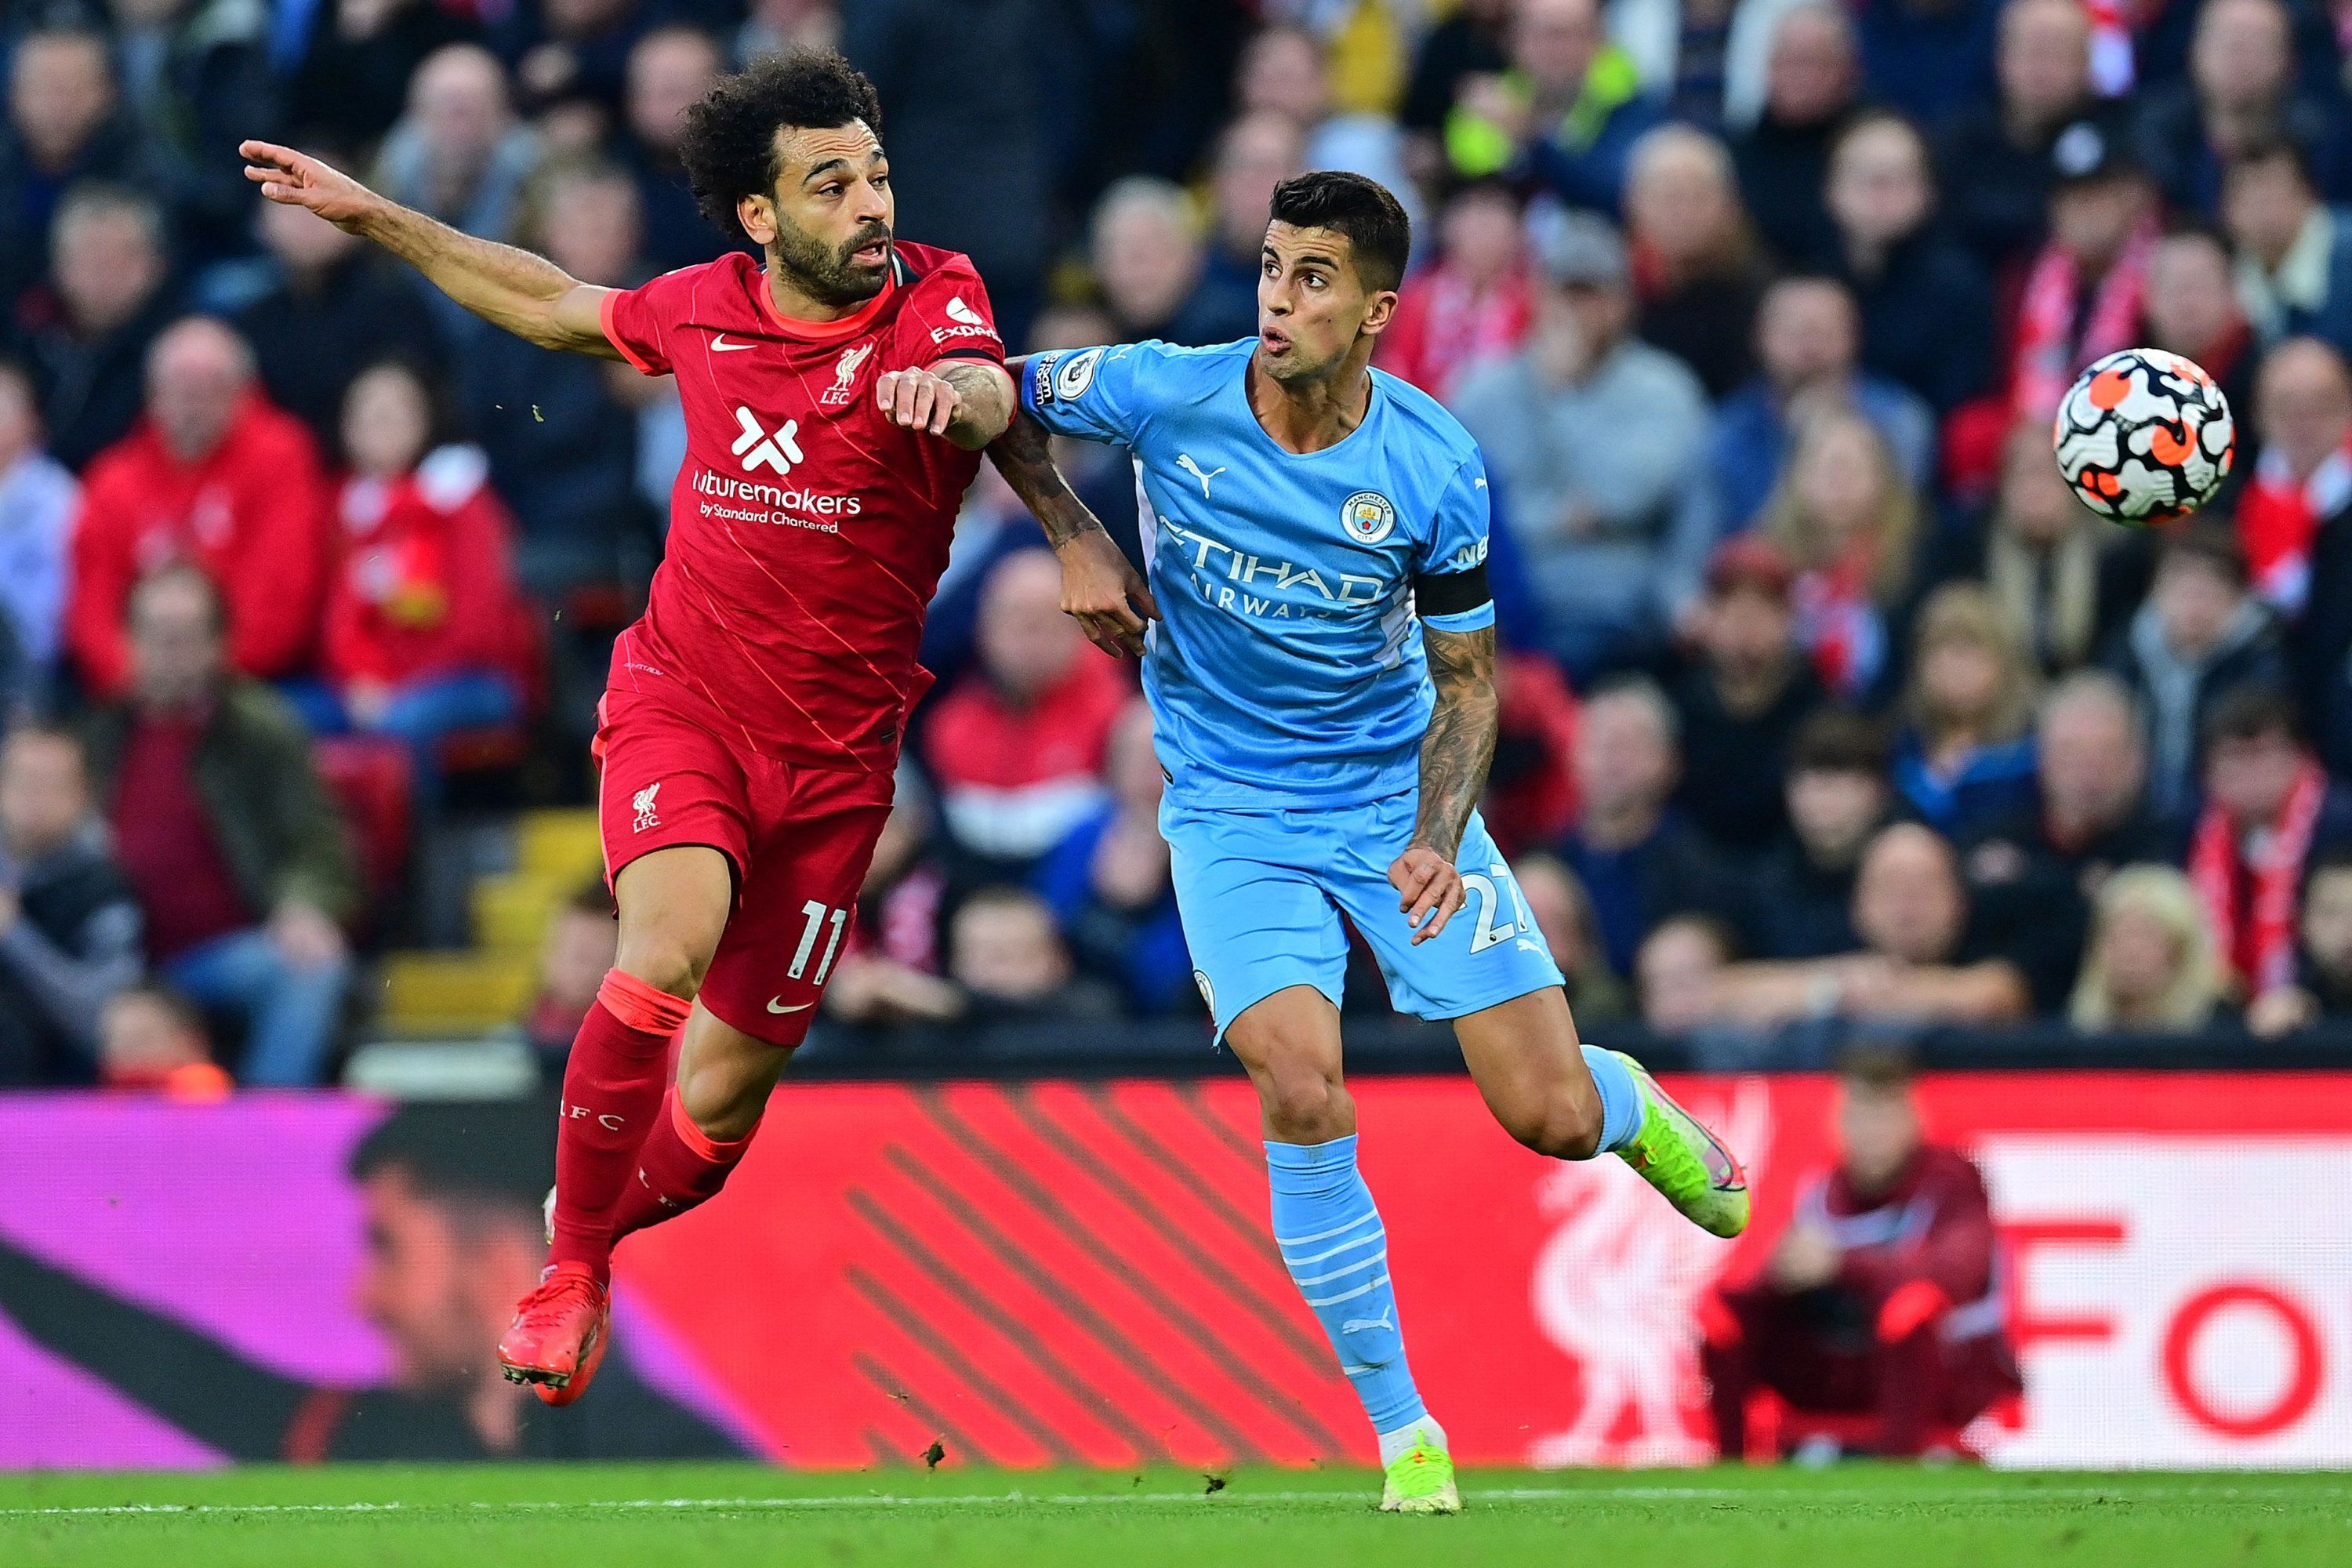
1184	461
1385	1320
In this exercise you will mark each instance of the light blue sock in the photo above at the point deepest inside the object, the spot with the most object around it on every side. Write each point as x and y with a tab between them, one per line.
1621	1098
1336	1250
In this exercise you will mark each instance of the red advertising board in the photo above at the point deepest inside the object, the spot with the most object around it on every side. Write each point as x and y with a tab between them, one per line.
1080	1272
1059	1272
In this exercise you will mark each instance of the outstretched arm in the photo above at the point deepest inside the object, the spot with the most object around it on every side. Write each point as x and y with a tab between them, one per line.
1456	753
967	401
1099	587
527	295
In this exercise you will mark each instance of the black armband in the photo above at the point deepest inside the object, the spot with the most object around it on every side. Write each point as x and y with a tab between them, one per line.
1451	592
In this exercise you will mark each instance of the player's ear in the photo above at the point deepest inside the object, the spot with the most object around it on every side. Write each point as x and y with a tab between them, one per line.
758	217
1379	310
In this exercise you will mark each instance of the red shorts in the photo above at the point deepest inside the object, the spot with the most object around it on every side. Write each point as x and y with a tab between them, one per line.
798	840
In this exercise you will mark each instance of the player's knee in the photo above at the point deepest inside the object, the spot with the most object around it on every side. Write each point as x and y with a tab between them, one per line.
1304	1104
1560	1124
725	1098
665	962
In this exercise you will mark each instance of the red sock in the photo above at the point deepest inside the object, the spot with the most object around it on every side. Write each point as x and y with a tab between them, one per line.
678	1166
612	1092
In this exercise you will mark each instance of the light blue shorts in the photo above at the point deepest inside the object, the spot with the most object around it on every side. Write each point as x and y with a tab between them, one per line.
1262	893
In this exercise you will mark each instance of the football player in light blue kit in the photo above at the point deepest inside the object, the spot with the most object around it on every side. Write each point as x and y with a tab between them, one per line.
1321	682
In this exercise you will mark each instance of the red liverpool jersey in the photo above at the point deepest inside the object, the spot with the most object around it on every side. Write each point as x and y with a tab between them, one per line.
807	532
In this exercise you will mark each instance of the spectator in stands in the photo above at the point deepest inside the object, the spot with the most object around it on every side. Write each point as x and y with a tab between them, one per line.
1810	90
1881	1302
563	445
1254	153
1800	902
226	833
777	27
1677	970
1477	301
1743	699
1923	960
354	78
1638	861
458	153
2083	294
1566	112
37	502
1007	954
69	926
671	69
2270	811
2201	634
150	1039
575	52
2047	861
2241	90
111	277
1146	257
975	124
2192	309
1563	912
422	615
1531	784
1808	340
889	970
1995	155
1016	750
1849	522
63	129
1697	271
2150	964
1966	759
1927	308
1927	59
1615	530
1470	40
2065	579
215	475
2297	512
332	307
197	79
573	956
1108	880
2293	251
2322	987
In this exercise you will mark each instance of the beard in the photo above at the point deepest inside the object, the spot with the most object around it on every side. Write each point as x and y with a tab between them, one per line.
824	273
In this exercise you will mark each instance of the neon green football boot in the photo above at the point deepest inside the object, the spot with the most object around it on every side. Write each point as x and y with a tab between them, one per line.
1421	1480
1685	1162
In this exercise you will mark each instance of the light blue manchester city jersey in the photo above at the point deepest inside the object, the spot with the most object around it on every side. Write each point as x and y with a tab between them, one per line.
1288	669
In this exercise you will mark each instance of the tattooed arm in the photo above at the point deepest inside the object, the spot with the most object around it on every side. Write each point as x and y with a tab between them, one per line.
966	401
1099	587
1455	756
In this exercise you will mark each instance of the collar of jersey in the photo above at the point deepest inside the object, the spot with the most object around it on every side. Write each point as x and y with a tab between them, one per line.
820	331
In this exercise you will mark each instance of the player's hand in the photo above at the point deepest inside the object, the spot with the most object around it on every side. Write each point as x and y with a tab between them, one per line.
298	180
918	400
1104	593
1429	890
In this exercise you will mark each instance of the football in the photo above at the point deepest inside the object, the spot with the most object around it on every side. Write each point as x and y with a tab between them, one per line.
2144	437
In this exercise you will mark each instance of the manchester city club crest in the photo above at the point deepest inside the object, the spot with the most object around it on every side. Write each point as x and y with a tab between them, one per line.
1367	516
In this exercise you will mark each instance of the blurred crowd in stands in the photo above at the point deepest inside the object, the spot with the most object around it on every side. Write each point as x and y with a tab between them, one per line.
1823	699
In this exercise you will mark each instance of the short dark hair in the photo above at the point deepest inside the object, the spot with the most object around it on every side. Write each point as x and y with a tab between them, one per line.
183	571
2271	150
1380	237
2212	543
1840	740
729	146
494	1155
2252	712
183	1014
1879	1065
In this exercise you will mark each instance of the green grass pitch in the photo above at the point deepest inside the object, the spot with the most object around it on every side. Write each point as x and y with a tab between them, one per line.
743	1516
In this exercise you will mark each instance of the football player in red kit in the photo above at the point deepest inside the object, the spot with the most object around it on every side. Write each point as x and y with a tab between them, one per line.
836	401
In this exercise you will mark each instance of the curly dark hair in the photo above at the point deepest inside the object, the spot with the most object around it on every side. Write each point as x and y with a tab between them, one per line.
729	143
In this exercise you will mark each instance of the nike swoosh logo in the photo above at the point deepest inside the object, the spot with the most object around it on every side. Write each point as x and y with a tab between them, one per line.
801	1008
718	344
